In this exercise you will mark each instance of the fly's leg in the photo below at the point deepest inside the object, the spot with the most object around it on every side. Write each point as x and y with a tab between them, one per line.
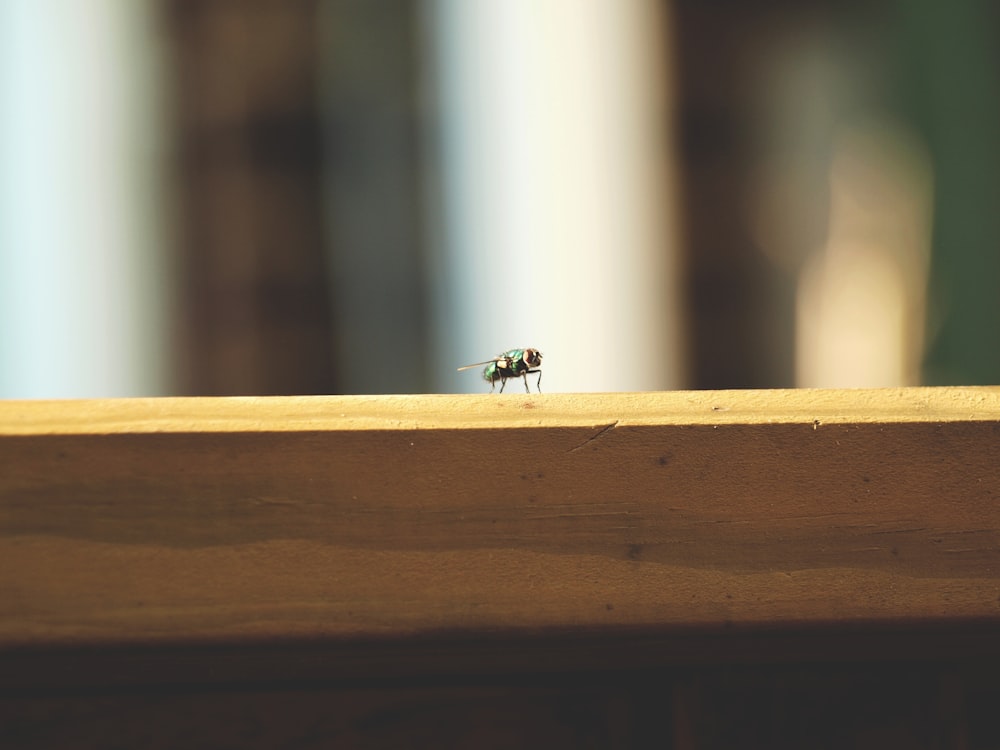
538	383
525	376
503	382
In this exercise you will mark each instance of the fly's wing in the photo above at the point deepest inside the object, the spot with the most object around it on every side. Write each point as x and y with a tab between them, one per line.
477	364
480	364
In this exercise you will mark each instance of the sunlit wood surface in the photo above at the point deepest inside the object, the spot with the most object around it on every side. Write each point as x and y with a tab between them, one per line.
192	520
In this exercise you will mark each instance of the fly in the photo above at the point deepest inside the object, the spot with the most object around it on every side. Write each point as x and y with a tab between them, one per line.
513	363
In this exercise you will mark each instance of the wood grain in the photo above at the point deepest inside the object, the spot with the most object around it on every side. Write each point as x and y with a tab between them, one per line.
156	521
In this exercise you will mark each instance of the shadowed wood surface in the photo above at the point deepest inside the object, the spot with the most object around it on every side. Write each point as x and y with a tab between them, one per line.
190	520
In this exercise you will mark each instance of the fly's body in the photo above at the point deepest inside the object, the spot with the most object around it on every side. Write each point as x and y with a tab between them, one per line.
513	363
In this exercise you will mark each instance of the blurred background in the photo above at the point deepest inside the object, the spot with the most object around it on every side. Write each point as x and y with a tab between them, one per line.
214	197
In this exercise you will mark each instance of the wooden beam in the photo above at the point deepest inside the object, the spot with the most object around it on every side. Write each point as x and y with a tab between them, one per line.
165	521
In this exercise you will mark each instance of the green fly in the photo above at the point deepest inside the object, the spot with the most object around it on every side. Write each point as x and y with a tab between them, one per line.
513	363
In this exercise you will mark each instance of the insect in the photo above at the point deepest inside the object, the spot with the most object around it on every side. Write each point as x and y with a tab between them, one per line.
513	363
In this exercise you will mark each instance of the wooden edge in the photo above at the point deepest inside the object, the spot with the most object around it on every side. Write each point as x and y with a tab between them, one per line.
374	519
405	412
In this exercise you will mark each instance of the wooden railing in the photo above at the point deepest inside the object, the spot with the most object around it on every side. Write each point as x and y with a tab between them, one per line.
352	541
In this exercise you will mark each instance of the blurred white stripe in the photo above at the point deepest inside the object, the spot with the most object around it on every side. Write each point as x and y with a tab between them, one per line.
81	296
559	213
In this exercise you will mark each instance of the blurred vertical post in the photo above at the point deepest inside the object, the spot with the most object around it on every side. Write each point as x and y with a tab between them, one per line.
861	306
255	316
83	285
373	207
557	193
